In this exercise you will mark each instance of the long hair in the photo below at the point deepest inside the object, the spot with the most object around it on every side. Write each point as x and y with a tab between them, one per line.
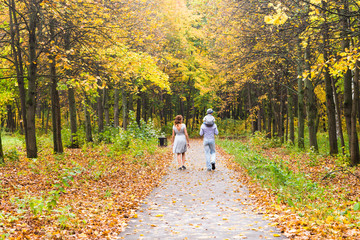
178	120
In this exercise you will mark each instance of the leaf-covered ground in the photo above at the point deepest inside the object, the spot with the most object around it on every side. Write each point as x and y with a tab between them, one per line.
85	193
329	209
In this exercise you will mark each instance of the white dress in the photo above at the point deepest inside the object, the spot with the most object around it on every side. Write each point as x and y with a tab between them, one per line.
180	140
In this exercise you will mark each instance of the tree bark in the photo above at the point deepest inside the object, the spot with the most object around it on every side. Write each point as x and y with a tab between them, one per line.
301	118
73	124
10	124
281	117
338	116
100	109
116	106
291	117
74	143
47	121
19	66
2	161
310	102
138	108
144	101
106	106
124	106
354	154
55	100
32	78
88	128
345	44
269	117
330	105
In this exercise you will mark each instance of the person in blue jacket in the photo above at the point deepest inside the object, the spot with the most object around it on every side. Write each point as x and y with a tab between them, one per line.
208	130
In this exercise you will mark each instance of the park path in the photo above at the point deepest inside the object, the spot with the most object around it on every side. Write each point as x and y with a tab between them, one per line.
197	204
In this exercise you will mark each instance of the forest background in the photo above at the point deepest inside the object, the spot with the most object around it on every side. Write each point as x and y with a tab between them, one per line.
87	75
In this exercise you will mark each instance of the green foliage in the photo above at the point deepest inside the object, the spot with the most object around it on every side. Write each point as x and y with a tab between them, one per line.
291	188
66	136
108	135
231	128
11	155
64	215
166	130
44	141
136	138
260	139
12	140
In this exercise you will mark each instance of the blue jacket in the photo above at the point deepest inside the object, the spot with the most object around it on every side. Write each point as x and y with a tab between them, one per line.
209	132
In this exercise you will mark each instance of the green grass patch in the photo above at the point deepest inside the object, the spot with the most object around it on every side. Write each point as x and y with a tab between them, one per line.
291	188
10	141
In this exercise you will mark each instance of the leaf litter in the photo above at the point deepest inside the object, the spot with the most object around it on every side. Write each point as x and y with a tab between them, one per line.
81	194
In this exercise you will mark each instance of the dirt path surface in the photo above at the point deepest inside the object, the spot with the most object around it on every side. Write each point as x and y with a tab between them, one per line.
197	204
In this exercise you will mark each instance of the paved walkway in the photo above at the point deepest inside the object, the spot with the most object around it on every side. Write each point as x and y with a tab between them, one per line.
197	204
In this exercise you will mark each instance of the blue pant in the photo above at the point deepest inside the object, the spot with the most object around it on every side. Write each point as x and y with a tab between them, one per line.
209	146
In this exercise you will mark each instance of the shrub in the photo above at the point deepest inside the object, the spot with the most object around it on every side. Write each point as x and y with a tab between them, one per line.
11	155
136	138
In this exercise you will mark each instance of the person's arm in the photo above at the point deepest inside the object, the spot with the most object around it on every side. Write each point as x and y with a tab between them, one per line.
187	136
201	131
173	136
216	130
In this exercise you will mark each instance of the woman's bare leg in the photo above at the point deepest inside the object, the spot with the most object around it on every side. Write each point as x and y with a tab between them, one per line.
183	159
179	159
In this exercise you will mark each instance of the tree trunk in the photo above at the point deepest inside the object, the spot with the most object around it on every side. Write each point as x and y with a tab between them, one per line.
338	116
281	117
88	128
138	108
310	102
301	118
55	100
116	106
124	106
10	124
32	78
73	124
2	161
291	117
345	44
18	62
330	105
259	118
354	154
269	118
188	102
43	110
100	109
71	98
106	106
47	121
144	107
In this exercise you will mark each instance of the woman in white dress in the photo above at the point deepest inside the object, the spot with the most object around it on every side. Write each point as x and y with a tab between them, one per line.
180	141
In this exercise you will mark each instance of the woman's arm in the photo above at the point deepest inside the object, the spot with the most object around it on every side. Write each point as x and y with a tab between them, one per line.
173	136
187	136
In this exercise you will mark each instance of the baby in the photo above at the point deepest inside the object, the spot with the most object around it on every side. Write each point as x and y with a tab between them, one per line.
209	119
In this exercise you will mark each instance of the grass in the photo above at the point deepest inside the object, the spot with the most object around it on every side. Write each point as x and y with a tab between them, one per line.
61	194
12	141
322	207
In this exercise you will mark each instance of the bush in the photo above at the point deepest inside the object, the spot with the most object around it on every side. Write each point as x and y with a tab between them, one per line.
108	135
136	138
260	139
231	127
66	136
11	155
